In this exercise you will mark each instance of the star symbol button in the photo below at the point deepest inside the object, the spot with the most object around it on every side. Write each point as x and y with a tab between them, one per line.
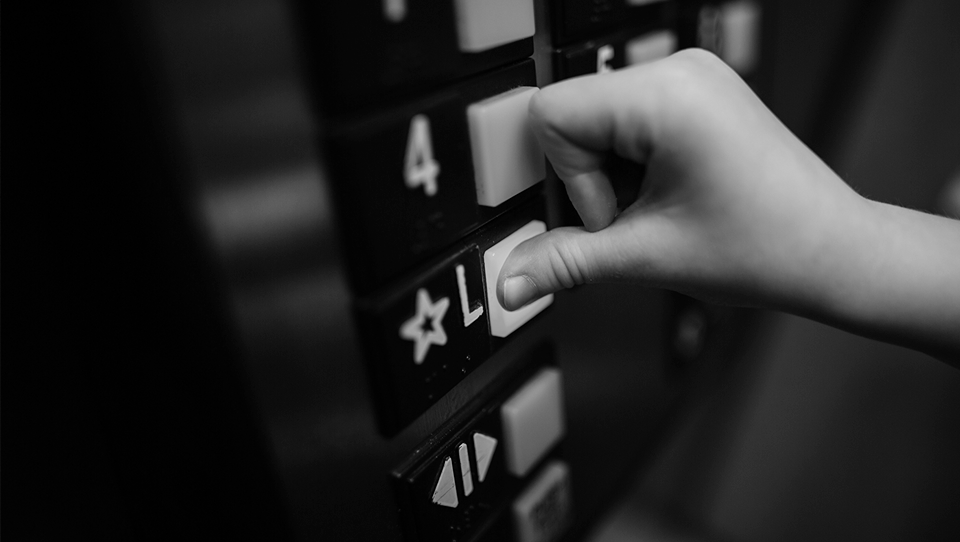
416	330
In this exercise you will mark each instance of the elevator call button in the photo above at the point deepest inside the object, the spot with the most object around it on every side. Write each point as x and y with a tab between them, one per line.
430	329
502	321
544	510
445	492
458	488
506	155
533	420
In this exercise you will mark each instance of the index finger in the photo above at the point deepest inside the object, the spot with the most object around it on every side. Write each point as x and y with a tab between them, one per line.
579	121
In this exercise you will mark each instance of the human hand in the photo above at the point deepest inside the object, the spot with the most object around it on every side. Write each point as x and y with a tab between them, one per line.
732	208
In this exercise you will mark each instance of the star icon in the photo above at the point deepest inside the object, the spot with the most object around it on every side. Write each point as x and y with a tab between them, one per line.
416	330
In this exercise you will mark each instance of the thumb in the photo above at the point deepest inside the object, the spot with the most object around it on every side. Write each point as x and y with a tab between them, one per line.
558	259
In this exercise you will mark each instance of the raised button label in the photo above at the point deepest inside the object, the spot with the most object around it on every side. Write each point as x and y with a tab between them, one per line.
403	186
470	312
445	493
426	326
485	446
418	344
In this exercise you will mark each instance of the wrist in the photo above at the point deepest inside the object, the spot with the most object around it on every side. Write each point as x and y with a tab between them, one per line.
832	258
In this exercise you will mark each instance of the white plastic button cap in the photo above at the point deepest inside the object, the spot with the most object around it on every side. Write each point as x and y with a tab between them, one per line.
533	420
650	47
502	321
485	24
506	155
543	511
740	23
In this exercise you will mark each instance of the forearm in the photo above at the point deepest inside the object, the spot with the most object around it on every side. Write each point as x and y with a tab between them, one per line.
892	274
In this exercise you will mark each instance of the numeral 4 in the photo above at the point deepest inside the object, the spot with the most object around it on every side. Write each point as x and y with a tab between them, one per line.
419	168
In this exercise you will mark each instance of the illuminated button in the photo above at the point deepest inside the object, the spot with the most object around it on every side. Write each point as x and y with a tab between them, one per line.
650	47
506	155
502	321
485	24
533	421
544	509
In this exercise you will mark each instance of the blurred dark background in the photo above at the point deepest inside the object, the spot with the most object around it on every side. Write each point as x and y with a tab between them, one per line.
815	435
820	434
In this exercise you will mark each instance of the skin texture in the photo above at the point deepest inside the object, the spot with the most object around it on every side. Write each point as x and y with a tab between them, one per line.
732	208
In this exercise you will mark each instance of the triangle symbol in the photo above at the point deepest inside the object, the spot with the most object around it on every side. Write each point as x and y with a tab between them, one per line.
484	446
445	494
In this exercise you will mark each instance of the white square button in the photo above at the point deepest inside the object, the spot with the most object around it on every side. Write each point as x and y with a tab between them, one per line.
502	321
650	47
506	155
545	508
533	420
485	24
740	33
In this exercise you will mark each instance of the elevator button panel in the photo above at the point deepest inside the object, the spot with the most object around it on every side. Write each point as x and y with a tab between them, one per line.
458	483
364	54
403	183
424	336
405	178
445	496
506	155
429	331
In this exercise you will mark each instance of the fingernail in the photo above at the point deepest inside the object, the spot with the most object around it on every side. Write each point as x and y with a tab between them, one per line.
518	291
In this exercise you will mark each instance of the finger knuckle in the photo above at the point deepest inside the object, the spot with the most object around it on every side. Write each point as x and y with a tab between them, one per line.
570	267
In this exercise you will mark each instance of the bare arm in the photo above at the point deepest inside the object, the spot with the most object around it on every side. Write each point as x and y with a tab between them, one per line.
733	208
